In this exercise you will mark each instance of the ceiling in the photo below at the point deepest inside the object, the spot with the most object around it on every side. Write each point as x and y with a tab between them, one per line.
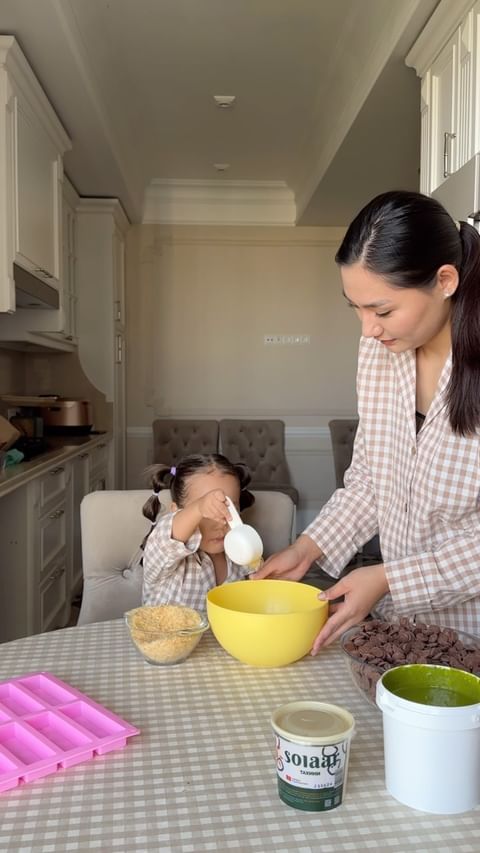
326	112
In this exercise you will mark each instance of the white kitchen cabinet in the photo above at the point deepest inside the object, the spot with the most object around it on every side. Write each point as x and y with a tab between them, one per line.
35	555
40	546
100	253
32	145
446	57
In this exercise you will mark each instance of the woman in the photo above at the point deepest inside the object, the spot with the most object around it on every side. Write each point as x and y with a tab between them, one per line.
412	275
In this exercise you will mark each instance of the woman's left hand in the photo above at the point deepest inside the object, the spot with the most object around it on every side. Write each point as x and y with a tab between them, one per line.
362	589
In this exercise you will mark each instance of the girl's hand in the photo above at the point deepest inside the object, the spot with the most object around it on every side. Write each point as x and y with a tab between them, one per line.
213	505
290	564
362	589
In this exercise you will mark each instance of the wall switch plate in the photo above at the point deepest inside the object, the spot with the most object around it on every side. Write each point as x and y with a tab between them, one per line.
287	339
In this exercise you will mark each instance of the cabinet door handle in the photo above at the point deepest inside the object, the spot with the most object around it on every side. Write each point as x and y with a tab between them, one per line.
447	150
57	573
102	445
119	357
56	471
57	514
43	272
84	456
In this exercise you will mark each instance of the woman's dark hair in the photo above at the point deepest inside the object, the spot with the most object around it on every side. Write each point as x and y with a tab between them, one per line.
163	478
405	237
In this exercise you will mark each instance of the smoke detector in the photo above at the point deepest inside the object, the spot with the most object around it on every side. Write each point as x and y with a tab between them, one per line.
224	102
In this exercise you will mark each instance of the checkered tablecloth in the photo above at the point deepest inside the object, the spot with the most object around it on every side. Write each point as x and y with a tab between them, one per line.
201	775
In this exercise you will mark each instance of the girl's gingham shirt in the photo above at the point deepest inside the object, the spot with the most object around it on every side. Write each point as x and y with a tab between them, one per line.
420	492
178	572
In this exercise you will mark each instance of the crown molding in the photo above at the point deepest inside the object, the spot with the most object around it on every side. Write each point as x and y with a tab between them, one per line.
202	202
448	15
109	206
24	80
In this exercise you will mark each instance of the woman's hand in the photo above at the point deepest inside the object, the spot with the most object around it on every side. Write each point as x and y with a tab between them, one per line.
362	589
292	563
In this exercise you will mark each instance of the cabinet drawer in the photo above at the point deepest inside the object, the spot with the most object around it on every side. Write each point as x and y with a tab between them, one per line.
98	458
52	538
53	597
51	487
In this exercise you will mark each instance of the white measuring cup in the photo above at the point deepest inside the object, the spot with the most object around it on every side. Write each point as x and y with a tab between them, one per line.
242	542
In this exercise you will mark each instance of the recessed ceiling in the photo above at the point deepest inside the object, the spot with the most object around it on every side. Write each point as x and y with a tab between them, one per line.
134	83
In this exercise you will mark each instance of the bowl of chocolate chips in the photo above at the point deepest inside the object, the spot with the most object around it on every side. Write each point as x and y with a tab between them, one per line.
372	647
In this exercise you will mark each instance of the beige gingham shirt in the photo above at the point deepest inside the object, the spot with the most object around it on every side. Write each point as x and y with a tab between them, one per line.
419	492
179	572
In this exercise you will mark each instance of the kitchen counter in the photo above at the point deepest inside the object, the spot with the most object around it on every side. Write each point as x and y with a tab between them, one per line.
62	448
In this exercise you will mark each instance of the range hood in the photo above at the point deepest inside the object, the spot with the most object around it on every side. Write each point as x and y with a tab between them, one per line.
32	292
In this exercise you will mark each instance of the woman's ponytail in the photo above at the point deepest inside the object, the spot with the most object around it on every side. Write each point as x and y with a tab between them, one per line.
463	394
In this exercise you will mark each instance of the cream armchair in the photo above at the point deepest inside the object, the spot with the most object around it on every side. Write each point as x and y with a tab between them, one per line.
113	527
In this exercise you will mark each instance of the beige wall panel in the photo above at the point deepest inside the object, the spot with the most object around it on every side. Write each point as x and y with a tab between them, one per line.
199	302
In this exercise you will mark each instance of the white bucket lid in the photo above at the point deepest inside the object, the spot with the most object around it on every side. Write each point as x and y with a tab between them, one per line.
311	722
422	715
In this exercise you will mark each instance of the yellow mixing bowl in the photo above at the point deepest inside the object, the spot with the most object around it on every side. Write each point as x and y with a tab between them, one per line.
267	622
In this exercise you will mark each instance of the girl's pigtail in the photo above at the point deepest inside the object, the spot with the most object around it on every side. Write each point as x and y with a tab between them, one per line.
161	477
246	497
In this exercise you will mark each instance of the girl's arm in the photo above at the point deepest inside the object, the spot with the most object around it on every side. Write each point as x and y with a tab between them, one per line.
164	554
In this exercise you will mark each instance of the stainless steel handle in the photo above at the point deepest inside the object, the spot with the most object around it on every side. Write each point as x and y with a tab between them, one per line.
56	471
118	310
43	272
447	137
119	357
57	514
57	573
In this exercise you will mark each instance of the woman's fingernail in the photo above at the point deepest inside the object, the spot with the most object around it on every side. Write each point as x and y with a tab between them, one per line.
322	596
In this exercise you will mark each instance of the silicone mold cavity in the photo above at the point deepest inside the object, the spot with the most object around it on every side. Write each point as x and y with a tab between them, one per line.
47	690
15	699
46	725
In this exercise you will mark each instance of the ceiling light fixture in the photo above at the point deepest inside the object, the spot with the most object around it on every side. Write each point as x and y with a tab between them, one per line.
221	167
224	102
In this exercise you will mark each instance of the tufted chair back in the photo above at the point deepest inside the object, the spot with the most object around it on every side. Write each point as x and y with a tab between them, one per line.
342	433
174	438
260	445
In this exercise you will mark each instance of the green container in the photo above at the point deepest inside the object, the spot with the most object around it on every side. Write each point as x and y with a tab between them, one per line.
312	746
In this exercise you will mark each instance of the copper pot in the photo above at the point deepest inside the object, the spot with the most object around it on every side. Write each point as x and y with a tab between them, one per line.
72	415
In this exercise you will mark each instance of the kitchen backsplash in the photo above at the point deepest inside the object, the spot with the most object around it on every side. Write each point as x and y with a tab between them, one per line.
52	373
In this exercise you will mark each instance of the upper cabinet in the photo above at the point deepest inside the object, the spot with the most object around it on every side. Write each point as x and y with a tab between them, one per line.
446	57
32	145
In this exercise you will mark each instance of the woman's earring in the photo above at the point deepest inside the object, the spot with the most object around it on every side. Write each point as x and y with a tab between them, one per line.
446	295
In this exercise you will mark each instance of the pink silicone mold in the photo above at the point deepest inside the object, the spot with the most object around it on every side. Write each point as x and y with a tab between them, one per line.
46	725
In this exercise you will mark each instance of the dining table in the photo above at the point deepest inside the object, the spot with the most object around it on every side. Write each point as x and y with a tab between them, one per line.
201	774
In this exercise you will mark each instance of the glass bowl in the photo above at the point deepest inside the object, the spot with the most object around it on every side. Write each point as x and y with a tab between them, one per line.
165	634
366	672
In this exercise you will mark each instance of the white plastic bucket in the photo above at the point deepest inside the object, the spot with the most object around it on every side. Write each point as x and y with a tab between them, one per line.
432	745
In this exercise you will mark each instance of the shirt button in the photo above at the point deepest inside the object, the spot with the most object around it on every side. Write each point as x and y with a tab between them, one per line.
414	450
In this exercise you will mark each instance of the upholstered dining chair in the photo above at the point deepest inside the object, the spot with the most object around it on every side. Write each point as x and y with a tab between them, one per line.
174	438
112	527
260	444
342	433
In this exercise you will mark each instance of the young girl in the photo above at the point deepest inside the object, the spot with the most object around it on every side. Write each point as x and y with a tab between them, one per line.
184	555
